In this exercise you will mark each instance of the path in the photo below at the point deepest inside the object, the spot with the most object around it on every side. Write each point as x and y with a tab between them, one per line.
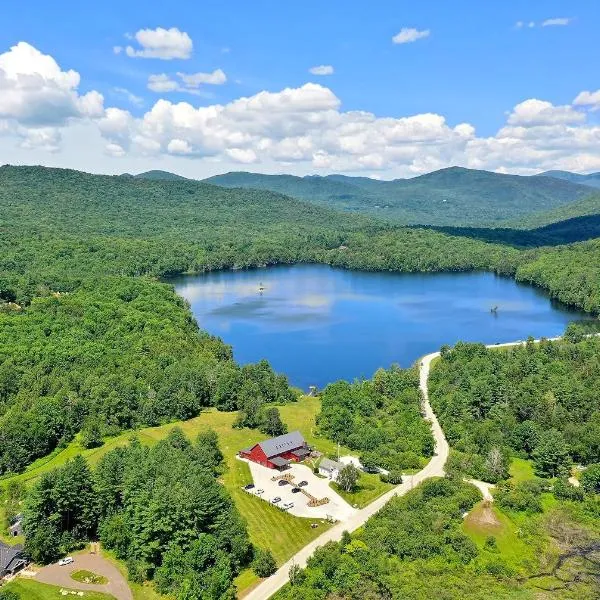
434	468
484	487
96	563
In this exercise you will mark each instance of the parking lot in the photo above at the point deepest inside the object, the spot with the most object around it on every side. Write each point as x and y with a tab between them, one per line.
337	507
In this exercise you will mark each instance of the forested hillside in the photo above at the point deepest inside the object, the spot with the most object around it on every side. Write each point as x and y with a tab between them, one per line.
535	401
592	179
453	196
89	339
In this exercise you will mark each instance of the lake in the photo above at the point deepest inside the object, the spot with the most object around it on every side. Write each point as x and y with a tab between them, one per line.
318	324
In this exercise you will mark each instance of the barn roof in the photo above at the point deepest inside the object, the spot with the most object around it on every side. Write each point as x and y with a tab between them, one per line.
8	554
330	465
282	443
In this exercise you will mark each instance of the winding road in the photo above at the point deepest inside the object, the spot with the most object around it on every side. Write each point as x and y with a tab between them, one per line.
434	468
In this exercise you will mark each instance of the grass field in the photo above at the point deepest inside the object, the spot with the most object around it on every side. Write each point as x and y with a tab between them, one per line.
84	576
368	488
29	589
521	470
269	527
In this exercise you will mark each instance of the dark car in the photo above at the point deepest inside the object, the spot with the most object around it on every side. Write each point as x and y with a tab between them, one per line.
295	490
303	483
250	486
283	482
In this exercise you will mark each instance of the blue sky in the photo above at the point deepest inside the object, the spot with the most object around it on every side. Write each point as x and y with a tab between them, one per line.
474	62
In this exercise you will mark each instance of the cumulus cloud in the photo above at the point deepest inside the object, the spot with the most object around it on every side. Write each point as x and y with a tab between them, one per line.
408	35
189	82
321	70
37	97
164	44
557	22
534	112
587	98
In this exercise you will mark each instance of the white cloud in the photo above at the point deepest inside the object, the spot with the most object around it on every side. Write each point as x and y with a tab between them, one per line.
162	83
194	80
321	70
190	83
587	98
409	34
557	22
38	98
165	44
535	112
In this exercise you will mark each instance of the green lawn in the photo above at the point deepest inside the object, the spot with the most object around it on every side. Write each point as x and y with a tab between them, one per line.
29	589
269	527
84	576
513	543
521	470
369	488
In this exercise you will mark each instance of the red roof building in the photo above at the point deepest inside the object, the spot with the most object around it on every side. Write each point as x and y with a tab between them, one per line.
277	453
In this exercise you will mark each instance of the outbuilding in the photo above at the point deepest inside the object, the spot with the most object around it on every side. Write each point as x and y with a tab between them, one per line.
330	468
279	452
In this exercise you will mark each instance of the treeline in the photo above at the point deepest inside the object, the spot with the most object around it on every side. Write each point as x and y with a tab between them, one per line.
160	509
379	418
117	353
537	401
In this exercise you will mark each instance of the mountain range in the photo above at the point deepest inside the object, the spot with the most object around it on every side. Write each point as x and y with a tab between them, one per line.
449	197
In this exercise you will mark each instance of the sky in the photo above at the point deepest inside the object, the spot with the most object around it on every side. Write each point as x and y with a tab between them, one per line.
382	89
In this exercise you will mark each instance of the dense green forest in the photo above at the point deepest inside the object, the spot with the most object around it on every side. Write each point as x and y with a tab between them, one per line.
537	401
89	339
591	179
379	418
452	197
417	547
160	509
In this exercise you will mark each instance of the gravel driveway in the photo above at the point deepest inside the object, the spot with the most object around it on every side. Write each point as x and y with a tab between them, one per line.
61	576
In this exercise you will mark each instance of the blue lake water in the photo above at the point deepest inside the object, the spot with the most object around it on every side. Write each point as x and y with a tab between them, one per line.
318	324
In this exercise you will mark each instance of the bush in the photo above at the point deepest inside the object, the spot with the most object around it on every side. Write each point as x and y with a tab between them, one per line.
522	498
8	595
393	477
490	543
563	490
263	564
590	479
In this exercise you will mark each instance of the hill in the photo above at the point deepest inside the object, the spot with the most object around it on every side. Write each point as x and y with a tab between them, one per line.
453	197
157	175
585	207
592	179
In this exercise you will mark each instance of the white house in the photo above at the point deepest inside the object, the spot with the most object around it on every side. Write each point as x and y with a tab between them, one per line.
330	468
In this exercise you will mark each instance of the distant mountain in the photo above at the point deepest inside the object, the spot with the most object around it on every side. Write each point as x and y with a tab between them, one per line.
160	176
452	196
593	179
587	206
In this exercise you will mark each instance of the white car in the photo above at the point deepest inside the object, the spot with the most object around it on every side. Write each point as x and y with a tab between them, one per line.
259	492
65	561
288	505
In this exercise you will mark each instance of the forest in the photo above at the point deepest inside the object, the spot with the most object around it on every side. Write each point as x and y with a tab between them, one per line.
92	341
380	419
536	401
160	509
418	547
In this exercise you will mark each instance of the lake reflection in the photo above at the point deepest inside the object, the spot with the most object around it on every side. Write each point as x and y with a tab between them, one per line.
318	324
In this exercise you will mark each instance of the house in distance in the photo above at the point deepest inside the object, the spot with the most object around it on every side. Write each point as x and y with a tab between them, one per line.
279	452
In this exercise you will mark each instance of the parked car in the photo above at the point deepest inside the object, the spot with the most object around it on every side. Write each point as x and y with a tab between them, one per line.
65	561
283	482
276	500
295	490
288	505
250	486
259	492
303	483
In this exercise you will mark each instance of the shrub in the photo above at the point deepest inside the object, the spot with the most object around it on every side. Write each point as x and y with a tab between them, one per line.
393	477
263	564
563	490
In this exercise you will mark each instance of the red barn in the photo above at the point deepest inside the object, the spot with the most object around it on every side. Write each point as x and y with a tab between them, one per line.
278	452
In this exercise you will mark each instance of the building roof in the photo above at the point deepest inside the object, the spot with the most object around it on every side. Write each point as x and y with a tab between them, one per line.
330	465
279	462
301	452
8	554
283	443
